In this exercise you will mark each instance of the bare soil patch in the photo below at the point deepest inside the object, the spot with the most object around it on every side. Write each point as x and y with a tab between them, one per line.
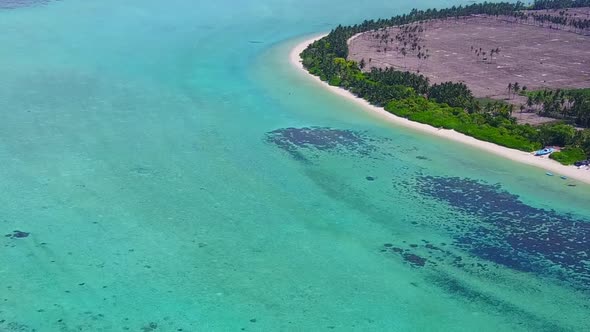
447	50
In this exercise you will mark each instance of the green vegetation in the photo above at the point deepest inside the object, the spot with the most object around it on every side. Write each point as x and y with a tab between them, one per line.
452	94
448	105
570	105
557	134
569	156
559	4
480	126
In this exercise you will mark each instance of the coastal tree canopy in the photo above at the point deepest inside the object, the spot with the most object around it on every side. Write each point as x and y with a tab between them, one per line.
449	105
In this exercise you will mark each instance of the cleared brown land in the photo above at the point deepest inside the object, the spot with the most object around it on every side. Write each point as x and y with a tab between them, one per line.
535	57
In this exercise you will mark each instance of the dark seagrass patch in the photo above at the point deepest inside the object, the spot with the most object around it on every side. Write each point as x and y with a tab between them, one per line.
13	4
512	233
296	141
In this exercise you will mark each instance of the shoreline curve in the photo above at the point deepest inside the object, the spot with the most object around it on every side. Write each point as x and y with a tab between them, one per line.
545	163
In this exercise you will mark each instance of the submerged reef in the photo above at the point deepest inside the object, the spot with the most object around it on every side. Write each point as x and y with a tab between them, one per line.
294	140
13	4
17	234
512	233
498	229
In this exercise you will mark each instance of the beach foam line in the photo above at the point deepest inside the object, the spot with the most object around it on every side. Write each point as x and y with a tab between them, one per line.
546	164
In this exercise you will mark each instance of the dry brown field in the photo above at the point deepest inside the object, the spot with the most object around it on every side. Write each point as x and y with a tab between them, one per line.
535	57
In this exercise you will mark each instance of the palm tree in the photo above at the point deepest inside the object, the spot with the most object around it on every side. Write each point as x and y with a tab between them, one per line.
492	51
564	109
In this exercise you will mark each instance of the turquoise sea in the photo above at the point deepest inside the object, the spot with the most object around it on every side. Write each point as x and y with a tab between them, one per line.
164	168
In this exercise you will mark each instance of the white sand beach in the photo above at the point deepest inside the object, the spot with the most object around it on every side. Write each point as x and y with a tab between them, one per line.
545	163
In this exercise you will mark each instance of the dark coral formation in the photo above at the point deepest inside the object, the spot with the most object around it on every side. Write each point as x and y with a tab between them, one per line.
414	259
407	256
294	140
512	233
17	234
13	4
152	326
420	255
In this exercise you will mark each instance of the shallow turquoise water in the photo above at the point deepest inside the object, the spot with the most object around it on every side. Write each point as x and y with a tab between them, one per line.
145	152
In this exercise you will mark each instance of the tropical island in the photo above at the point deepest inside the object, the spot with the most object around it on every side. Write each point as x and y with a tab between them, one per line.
510	74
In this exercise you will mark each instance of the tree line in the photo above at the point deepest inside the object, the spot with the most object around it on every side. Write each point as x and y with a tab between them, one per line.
571	105
559	4
563	19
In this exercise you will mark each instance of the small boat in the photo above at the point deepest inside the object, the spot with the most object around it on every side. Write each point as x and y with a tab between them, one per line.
549	174
544	151
563	177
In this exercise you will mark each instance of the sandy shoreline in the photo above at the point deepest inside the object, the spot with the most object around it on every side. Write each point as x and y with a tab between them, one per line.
515	155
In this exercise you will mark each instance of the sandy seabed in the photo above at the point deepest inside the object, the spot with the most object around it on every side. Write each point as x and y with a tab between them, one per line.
516	155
